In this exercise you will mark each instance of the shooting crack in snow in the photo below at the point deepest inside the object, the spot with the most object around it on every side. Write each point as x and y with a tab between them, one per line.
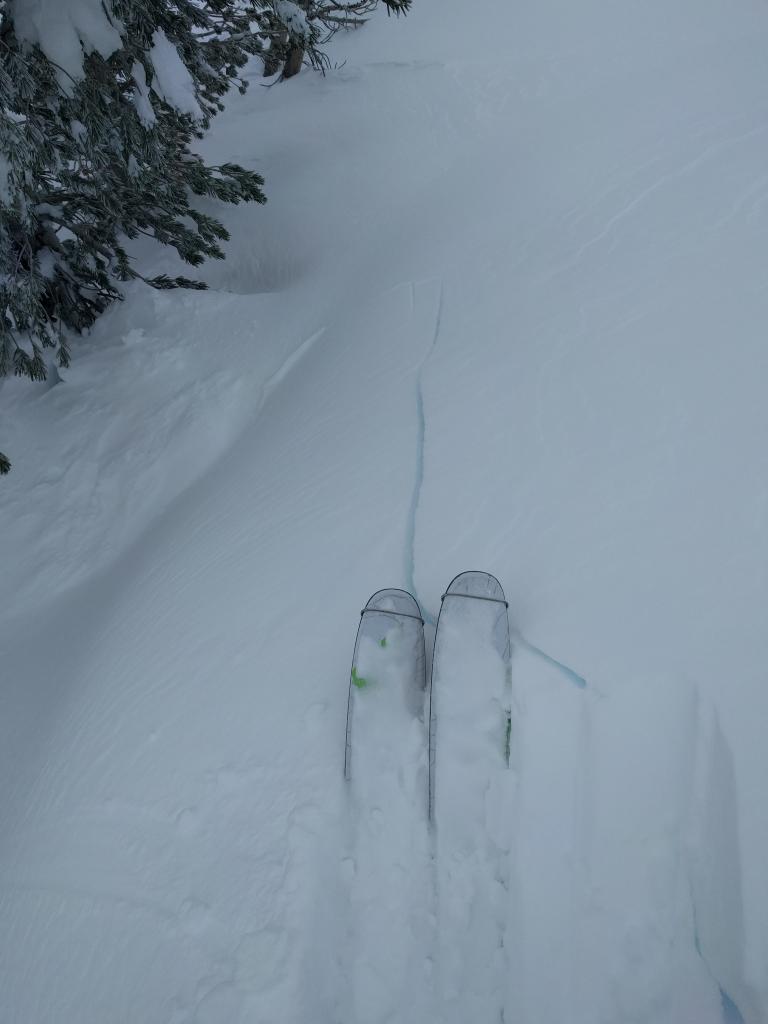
410	544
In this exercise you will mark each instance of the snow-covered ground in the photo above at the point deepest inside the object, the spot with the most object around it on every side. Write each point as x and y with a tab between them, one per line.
505	309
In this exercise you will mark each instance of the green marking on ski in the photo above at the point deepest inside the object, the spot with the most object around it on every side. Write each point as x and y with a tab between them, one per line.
359	681
383	642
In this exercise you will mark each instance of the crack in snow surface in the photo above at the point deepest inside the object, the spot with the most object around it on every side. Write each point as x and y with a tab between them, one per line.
421	426
568	672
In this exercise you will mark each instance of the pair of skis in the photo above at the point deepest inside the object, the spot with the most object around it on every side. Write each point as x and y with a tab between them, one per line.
436	739
466	705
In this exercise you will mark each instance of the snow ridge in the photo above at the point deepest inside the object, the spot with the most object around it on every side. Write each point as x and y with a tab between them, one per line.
273	381
421	429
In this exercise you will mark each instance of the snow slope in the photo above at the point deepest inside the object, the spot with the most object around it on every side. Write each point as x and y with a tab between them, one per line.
505	309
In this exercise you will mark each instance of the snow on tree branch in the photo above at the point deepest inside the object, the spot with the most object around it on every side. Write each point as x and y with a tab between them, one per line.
172	81
66	32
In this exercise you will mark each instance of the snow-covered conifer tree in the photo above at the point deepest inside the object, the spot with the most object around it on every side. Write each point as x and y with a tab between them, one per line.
101	102
101	105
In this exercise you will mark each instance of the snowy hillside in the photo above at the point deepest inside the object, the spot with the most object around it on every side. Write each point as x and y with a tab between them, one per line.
506	309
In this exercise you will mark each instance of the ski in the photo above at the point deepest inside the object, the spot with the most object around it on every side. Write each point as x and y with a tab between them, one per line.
472	630
388	662
385	765
471	796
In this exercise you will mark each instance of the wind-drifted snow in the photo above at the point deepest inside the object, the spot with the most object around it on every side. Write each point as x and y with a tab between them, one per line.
504	310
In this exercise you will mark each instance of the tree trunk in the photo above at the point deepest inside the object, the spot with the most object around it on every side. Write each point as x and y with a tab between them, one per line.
274	54
293	61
